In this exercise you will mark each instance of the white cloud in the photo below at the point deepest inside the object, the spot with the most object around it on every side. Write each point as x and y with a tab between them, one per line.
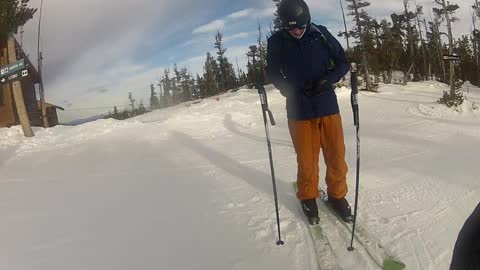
323	7
90	43
253	13
210	27
236	36
195	59
189	43
266	12
135	79
241	14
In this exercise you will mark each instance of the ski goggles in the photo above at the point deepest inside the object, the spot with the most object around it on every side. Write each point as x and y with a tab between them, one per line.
293	27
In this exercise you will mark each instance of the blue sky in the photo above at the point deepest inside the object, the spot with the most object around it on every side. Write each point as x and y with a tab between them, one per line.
97	51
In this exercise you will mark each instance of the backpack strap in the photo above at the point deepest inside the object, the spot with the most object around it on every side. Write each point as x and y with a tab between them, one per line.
327	44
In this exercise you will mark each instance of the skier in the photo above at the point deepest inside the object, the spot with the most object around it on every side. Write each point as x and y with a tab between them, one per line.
304	61
466	254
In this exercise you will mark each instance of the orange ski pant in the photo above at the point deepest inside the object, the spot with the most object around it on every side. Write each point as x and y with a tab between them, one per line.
308	137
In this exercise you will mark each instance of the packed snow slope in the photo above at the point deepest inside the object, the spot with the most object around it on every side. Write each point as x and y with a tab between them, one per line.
189	187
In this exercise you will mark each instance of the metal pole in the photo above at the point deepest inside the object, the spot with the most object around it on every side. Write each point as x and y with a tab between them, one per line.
41	91
356	121
265	110
345	24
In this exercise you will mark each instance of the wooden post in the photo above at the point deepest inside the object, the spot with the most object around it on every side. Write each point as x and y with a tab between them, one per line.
17	92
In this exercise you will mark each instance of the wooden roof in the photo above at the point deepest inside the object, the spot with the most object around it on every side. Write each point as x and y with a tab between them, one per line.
49	105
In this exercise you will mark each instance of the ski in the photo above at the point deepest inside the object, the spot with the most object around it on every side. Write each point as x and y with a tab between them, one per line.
325	255
372	245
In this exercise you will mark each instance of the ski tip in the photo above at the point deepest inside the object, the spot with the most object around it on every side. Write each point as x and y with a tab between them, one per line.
390	264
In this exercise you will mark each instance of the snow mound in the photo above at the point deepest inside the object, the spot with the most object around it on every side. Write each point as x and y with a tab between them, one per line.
441	111
216	115
60	136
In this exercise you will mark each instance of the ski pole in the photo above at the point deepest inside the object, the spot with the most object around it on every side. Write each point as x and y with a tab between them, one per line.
265	110
356	121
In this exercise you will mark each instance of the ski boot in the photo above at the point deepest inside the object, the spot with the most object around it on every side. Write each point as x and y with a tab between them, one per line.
341	208
310	209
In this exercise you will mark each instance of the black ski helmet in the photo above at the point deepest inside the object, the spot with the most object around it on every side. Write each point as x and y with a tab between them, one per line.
293	13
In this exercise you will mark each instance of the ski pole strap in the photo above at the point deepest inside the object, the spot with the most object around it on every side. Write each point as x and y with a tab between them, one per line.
264	101
354	94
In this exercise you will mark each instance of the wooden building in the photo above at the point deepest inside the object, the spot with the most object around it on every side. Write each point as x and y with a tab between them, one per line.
8	112
51	112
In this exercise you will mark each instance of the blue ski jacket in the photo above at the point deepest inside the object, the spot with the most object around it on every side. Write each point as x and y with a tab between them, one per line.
291	62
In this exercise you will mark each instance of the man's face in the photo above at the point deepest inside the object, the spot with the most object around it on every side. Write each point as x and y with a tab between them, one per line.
297	31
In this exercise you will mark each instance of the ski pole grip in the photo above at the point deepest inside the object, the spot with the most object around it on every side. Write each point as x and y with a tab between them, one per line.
264	101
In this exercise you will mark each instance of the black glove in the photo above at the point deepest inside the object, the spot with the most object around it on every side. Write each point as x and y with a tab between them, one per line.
315	88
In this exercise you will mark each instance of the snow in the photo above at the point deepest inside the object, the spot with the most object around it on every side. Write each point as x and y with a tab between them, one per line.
189	187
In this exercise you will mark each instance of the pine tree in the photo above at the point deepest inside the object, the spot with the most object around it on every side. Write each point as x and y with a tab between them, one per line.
408	16
252	66
361	19
13	14
226	78
222	62
176	85
425	56
277	25
132	102
435	46
391	50
201	87
467	65
141	108
476	40
154	102
428	52
373	45
243	80
186	85
210	76
167	87
161	97
193	87
262	56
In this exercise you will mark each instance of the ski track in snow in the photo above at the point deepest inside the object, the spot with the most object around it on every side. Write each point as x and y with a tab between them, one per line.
110	182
